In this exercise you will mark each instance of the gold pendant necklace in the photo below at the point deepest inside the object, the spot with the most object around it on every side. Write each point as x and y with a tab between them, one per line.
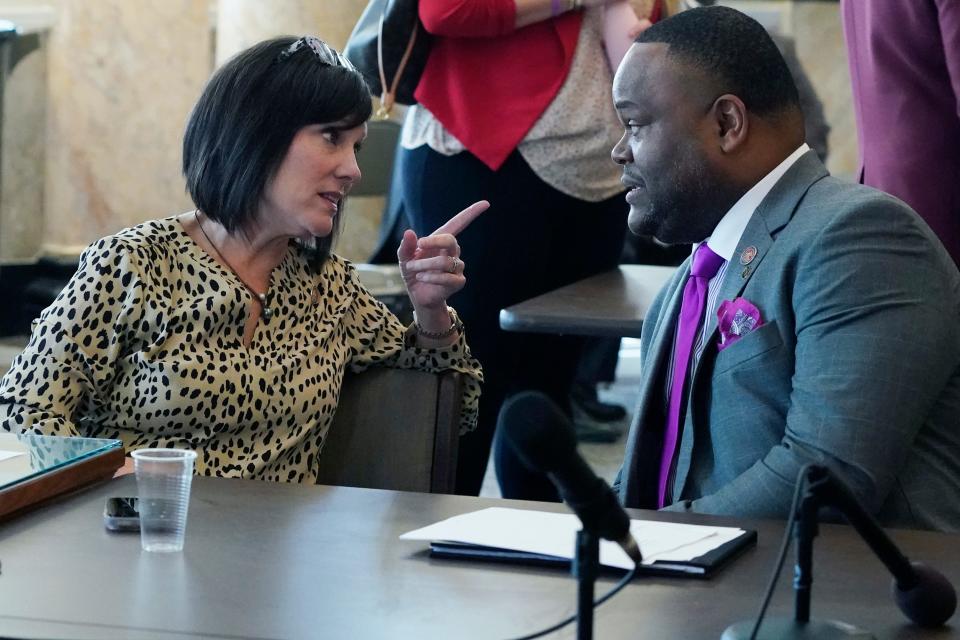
264	298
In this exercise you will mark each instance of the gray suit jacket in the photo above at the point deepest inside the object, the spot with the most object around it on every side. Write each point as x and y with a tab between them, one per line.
856	365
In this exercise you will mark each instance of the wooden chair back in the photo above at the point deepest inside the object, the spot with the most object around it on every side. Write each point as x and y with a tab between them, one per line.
395	429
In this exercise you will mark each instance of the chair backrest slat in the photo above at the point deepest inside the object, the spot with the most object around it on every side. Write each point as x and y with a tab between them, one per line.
394	429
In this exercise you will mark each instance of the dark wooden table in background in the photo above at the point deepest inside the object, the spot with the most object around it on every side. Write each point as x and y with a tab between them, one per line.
265	560
611	304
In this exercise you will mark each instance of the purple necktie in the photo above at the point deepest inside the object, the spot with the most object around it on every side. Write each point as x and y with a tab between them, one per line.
706	263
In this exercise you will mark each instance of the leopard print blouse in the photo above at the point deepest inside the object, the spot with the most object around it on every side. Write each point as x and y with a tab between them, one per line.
145	345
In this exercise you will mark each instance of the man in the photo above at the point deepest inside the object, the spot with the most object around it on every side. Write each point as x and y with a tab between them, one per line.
822	320
905	68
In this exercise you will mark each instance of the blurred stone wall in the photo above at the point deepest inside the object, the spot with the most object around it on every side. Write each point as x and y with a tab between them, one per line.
122	78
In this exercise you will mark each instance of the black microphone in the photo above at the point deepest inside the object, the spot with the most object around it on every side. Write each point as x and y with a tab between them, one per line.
544	440
923	594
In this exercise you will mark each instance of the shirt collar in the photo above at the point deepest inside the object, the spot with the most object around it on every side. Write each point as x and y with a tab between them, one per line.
726	235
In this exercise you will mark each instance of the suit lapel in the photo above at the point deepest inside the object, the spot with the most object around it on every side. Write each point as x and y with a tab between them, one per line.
770	217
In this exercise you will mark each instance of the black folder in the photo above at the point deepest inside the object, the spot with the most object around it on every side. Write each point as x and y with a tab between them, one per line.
700	567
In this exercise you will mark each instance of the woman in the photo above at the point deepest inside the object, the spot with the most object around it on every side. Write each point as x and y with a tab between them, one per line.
533	133
228	329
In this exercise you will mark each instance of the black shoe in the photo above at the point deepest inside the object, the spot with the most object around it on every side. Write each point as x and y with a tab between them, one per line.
591	430
597	432
584	397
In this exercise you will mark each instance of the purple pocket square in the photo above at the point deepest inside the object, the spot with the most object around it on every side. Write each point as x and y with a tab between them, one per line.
735	319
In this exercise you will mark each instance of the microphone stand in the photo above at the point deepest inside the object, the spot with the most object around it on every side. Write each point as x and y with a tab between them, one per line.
586	564
806	529
819	489
801	627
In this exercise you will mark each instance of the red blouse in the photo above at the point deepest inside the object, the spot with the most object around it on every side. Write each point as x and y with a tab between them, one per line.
486	82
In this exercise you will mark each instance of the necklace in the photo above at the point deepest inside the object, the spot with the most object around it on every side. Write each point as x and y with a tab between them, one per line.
266	312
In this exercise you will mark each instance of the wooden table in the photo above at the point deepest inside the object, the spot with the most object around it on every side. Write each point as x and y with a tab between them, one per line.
267	560
612	304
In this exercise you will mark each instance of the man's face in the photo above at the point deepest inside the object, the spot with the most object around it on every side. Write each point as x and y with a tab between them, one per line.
669	149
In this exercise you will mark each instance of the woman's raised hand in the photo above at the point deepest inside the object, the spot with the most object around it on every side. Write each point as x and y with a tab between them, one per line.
431	266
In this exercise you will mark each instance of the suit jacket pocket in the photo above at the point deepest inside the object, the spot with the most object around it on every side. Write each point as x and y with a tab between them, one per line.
750	346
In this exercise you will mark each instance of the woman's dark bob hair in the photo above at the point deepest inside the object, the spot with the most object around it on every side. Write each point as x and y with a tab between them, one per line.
242	125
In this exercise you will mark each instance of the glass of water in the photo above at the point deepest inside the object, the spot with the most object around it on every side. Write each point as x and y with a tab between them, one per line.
163	486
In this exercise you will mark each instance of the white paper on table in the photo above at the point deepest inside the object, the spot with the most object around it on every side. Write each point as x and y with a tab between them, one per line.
554	534
10	454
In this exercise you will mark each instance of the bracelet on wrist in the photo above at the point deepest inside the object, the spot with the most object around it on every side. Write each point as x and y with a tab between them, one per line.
455	326
555	8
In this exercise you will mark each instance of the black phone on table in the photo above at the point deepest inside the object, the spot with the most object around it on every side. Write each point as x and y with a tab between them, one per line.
121	514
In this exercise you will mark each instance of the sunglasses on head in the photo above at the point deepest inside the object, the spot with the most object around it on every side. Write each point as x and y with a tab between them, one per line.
324	52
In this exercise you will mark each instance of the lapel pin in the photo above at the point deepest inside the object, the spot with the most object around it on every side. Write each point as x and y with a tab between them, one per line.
748	254
745	273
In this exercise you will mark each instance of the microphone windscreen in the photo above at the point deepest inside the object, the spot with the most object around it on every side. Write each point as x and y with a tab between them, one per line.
931	600
538	432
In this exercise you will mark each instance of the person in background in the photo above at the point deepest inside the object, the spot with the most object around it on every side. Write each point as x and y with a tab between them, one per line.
817	321
514	104
905	68
228	329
